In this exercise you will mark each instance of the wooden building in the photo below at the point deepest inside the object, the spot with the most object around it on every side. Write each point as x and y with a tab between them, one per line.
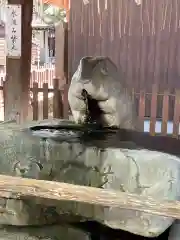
35	45
141	37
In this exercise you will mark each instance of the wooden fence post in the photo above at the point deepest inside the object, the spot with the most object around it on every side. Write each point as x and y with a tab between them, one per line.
33	78
45	100
133	95
57	100
142	109
176	114
35	101
153	109
165	112
65	102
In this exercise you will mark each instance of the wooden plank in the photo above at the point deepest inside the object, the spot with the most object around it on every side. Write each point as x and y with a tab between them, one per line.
57	100
153	109
59	50
65	101
35	100
50	90
33	78
176	118
133	95
142	109
45	100
165	112
21	188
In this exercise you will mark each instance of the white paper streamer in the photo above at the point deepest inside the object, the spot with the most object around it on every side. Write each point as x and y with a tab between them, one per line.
85	2
106	5
138	2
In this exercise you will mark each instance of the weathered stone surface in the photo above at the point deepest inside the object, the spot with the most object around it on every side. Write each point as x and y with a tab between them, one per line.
24	155
53	232
18	212
174	233
61	155
99	77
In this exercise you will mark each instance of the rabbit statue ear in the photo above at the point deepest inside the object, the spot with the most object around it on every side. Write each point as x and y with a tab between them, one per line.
107	66
86	67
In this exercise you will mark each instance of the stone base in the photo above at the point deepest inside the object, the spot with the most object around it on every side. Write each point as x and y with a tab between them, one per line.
53	232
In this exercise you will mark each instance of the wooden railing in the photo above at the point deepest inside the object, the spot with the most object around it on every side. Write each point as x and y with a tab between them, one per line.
42	74
50	99
175	108
59	103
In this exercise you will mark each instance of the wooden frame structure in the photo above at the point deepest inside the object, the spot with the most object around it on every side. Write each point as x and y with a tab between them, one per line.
17	84
18	70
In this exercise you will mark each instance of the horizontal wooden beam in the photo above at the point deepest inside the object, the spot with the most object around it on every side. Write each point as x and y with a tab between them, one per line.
21	188
14	2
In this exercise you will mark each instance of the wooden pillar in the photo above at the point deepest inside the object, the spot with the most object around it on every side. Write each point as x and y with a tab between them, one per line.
46	48
66	53
16	89
59	51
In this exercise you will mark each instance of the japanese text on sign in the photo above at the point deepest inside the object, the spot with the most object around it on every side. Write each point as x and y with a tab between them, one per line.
13	30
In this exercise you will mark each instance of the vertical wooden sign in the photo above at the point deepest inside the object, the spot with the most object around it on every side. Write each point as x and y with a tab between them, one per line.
13	31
